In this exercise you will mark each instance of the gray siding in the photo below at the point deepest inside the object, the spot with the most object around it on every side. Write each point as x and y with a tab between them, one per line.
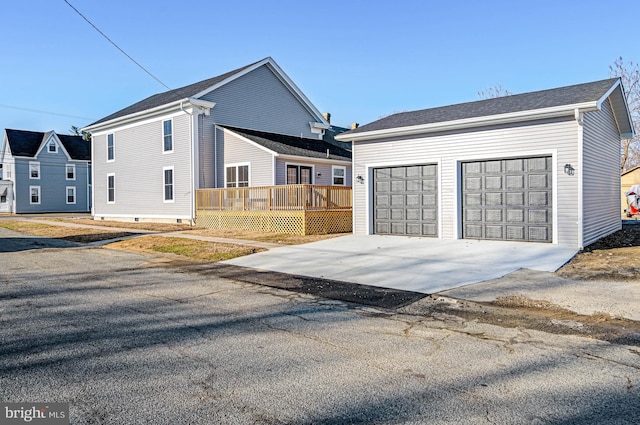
53	184
238	150
558	138
318	167
138	169
260	101
601	179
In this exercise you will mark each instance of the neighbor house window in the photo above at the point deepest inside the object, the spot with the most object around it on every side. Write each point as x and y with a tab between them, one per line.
299	174
111	153
34	170
71	195
168	184
167	134
111	188
237	176
71	171
52	146
339	174
34	195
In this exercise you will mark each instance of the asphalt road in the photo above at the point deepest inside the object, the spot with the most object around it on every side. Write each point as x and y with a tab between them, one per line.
126	341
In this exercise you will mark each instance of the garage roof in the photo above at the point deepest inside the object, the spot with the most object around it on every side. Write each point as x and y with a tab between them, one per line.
519	107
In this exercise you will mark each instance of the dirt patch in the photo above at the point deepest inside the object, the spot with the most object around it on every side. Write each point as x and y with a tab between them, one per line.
181	248
72	234
616	257
277	238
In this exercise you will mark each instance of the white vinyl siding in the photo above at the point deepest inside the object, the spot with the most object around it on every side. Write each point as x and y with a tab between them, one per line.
601	178
237	151
139	170
558	138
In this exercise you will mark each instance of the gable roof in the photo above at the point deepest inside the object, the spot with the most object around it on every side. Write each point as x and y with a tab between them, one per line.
292	145
199	89
27	143
587	96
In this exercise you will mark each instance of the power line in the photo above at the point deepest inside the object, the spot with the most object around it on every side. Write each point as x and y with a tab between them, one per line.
116	46
38	111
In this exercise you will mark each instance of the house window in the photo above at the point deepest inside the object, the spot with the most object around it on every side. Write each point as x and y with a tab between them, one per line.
237	176
34	170
34	195
111	154
338	173
168	184
52	146
71	195
3	199
167	134
111	188
71	171
299	174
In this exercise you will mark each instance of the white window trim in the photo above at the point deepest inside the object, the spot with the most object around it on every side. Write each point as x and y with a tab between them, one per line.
113	137
300	164
236	165
333	176
114	188
172	138
173	185
39	195
37	164
55	150
66	171
66	195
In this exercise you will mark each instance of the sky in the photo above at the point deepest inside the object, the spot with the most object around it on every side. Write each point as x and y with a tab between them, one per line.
358	60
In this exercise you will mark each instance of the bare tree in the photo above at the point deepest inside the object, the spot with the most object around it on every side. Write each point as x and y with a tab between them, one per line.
629	74
495	91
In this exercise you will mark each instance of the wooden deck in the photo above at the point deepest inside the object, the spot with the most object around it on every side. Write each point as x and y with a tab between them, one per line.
297	209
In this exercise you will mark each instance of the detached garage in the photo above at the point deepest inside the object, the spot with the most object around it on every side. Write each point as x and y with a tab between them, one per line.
538	167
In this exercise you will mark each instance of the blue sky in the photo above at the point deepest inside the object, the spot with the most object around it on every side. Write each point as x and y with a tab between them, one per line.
359	60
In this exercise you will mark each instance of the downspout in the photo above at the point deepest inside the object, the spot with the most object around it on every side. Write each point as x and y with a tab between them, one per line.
579	116
215	155
191	170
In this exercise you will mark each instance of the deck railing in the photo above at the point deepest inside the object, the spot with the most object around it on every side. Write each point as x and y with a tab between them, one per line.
299	197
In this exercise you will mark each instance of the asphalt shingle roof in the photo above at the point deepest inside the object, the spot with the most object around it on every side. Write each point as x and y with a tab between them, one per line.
294	145
569	95
171	95
26	143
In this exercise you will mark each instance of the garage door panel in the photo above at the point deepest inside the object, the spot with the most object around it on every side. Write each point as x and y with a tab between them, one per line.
491	189
405	200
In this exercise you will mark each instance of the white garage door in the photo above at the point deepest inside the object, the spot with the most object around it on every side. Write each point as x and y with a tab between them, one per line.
508	199
406	200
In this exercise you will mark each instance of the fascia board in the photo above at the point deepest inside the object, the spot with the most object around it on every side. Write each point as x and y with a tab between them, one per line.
626	107
312	159
136	116
512	117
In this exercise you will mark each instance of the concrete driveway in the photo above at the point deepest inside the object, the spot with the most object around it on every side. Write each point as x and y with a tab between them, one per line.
413	264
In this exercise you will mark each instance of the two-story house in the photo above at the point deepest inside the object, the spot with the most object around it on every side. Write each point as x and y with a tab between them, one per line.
248	127
44	172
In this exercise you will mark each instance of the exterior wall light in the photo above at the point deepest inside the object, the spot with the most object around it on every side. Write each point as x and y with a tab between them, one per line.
360	179
568	169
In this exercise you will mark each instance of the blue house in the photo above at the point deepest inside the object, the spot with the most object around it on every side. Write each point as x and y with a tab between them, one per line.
44	172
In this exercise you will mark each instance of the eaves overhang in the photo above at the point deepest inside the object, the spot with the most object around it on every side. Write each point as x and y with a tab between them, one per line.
512	117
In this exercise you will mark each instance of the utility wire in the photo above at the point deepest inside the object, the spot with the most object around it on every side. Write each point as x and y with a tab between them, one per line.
38	111
116	46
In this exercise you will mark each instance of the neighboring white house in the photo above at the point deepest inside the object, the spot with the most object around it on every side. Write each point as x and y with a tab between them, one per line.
249	127
536	167
44	172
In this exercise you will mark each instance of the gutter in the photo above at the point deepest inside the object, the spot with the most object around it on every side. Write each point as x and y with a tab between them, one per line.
565	110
